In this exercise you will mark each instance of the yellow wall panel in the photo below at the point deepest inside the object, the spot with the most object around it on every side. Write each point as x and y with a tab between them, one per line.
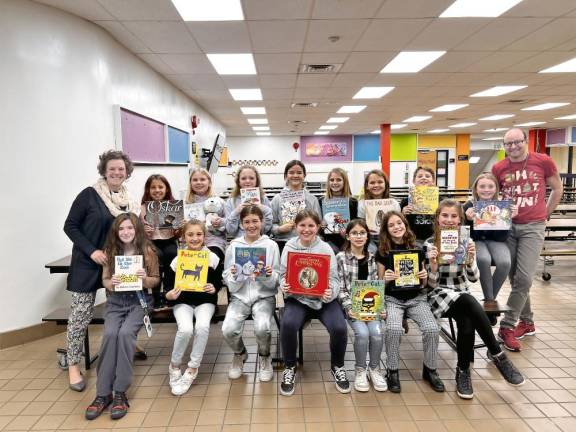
436	141
462	166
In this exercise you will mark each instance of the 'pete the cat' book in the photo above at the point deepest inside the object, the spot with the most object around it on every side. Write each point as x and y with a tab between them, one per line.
250	262
192	270
125	268
367	299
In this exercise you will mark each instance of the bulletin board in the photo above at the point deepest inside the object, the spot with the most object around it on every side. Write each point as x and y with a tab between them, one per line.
178	145
329	148
366	148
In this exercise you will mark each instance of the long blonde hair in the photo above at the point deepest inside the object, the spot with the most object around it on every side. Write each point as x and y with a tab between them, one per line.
191	196
488	176
346	192
236	191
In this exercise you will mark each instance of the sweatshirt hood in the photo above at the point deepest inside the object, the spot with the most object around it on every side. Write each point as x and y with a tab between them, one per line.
241	241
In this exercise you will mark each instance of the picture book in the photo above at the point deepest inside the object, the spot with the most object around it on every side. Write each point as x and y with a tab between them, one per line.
165	214
336	214
492	215
125	268
250	195
307	273
291	203
424	199
191	270
375	211
454	245
250	262
194	211
407	264
367	299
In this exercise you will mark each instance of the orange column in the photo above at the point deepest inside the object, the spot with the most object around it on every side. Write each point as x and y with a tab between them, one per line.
462	161
385	147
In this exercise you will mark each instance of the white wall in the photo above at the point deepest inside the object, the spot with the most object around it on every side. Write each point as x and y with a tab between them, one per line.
59	79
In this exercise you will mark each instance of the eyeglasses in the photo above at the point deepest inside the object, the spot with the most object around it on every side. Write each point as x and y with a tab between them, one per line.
358	234
513	143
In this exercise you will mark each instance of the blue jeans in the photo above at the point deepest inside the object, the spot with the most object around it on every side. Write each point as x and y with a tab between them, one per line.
368	336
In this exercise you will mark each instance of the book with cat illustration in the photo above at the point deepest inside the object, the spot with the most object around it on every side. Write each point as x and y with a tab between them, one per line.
191	270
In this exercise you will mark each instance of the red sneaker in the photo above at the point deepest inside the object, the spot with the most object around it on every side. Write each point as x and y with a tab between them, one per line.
524	329
506	335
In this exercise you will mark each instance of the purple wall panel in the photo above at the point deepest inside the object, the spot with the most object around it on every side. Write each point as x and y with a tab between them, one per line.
142	138
555	136
326	148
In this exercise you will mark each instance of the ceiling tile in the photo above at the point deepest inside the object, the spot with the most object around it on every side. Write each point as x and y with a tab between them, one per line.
157	64
199	81
188	63
540	61
413	8
315	80
277	63
367	61
497	61
239	81
277	9
163	36
535	8
137	10
124	36
277	80
277	36
89	9
338	9
456	61
349	31
324	58
355	80
388	35
547	37
444	34
271	94
221	37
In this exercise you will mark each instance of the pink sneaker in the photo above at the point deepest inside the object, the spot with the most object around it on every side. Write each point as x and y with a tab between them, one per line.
506	335
524	329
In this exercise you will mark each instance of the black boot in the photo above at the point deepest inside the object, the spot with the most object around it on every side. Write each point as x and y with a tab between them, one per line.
431	375
393	380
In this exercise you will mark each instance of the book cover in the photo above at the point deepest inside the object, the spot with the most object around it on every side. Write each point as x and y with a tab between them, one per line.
250	195
492	215
336	214
191	270
407	264
165	214
375	211
291	203
307	273
454	245
424	199
194	211
367	299
250	262
125	268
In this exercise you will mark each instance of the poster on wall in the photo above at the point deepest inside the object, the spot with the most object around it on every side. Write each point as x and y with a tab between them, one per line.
329	148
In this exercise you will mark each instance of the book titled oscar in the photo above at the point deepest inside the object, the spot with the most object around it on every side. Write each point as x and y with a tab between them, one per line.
191	270
424	199
307	273
453	248
165	214
407	265
492	215
250	195
367	299
336	214
250	263
125	268
375	211
291	202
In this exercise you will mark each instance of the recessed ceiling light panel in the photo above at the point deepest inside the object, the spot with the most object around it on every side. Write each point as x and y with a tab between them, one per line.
567	66
372	92
497	117
448	107
478	8
546	106
351	109
411	61
246	94
233	64
416	119
209	10
337	119
253	110
498	90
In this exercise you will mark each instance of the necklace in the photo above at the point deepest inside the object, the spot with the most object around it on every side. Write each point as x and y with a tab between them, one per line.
513	191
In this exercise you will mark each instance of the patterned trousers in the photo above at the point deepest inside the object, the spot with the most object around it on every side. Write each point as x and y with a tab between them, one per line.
81	311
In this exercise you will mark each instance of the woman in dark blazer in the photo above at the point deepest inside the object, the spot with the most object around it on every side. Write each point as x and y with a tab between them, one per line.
87	224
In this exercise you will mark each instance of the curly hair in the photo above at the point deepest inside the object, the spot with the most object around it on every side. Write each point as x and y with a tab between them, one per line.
109	155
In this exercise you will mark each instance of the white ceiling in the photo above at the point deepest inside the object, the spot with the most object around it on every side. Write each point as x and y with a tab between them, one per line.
282	34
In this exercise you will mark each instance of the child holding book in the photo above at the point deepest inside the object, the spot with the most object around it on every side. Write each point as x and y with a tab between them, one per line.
247	177
125	312
491	245
188	305
299	308
450	297
338	186
284	211
252	287
422	225
410	300
357	263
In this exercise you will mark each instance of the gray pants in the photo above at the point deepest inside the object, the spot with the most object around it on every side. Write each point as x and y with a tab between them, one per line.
237	313
498	252
81	312
122	321
418	310
367	337
525	244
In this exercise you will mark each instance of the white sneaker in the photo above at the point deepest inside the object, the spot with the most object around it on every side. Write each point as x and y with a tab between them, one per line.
378	380
185	382
361	381
174	374
237	366
266	369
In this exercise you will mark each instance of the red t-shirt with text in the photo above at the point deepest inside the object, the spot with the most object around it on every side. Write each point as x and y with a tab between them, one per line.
524	182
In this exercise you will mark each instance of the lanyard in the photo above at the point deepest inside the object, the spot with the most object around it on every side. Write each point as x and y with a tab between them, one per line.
142	302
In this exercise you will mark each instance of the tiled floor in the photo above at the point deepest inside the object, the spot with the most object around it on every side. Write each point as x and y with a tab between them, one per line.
34	394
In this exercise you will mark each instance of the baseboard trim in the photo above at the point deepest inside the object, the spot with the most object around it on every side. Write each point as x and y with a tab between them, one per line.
28	334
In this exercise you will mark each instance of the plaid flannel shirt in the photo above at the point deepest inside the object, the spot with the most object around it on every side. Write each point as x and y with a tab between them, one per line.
448	283
347	265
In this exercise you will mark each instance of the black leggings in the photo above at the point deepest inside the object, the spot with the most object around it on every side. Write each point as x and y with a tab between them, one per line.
166	251
470	318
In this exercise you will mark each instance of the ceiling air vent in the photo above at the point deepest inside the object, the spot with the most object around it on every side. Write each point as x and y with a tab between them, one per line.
517	101
304	105
320	68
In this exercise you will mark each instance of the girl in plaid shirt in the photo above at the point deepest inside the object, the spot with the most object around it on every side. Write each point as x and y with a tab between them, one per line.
450	297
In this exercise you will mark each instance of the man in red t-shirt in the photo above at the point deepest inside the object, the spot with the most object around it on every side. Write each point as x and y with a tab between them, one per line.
523	177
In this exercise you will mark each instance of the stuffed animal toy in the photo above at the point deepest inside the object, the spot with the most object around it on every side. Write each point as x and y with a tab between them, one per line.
212	209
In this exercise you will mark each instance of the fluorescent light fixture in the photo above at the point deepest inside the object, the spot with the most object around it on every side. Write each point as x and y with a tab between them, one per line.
567	66
462	125
350	109
433	131
397	126
255	121
496	117
495	130
494	138
498	91
319	132
372	92
263	133
532	123
260	128
416	119
474	159
233	64
328	127
375	132
246	94
478	9
209	10
411	61
337	119
546	106
253	110
568	117
448	107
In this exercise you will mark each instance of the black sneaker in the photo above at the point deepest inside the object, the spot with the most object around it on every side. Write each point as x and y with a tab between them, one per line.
432	377
97	407
507	368
393	380
464	383
140	354
340	379
119	406
288	380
